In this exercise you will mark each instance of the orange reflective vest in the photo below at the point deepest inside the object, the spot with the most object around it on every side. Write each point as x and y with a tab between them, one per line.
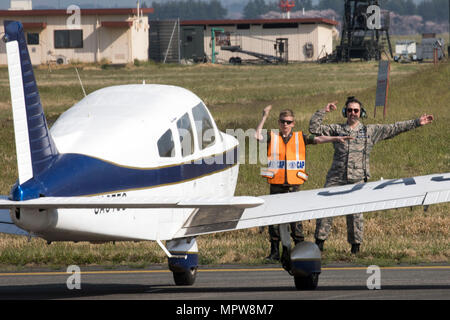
286	162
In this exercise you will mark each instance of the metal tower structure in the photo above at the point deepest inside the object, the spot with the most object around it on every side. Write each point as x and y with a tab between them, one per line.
358	39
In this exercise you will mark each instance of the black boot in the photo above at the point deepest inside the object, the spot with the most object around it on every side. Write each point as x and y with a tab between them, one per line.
274	251
320	244
355	248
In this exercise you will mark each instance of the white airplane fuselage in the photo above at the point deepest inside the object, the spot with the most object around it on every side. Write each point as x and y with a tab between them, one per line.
114	143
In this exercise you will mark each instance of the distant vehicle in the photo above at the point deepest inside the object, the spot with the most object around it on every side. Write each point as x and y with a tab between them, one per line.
405	51
409	50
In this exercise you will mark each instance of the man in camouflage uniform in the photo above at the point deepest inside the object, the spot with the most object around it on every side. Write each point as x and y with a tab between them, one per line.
351	159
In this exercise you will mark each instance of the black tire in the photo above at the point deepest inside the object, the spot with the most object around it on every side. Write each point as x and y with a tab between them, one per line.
307	283
185	278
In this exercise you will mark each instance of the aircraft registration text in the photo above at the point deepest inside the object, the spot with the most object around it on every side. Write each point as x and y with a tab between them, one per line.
111	210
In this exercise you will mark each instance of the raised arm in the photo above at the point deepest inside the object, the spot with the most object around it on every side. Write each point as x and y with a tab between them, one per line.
387	131
315	124
265	115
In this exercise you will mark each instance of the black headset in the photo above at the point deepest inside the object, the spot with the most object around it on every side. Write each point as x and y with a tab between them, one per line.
351	100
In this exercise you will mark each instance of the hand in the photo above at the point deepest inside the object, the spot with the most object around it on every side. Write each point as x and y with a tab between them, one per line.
266	110
342	139
330	107
426	119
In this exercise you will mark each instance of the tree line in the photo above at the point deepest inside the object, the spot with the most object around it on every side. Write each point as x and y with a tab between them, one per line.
430	10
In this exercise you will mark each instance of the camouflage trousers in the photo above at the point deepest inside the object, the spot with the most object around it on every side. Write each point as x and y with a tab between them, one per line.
296	227
355	223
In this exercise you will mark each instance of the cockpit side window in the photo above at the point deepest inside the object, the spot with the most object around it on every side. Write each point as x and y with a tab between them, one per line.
186	135
205	130
166	146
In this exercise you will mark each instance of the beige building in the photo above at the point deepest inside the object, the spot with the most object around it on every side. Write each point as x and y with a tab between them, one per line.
306	39
84	35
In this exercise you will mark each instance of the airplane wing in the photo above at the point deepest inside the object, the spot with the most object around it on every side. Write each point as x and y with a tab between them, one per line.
131	202
225	204
233	213
7	226
322	203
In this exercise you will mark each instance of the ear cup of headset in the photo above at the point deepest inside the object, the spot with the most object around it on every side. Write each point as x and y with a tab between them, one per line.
363	113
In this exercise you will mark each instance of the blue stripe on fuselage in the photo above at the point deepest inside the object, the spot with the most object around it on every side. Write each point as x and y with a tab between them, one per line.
79	175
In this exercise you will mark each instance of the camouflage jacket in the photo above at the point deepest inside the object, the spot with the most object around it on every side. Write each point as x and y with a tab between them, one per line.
351	158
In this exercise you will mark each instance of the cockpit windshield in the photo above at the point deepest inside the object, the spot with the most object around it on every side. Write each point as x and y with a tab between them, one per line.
205	130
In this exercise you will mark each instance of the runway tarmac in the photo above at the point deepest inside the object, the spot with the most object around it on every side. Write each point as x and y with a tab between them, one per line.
268	283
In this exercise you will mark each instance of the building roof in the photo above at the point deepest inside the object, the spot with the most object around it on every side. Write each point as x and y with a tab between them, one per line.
259	21
59	12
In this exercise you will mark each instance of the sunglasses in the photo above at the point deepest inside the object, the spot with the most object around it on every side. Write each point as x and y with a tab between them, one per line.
350	110
285	121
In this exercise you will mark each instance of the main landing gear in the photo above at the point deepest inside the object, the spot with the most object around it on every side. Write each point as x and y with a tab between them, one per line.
183	260
303	262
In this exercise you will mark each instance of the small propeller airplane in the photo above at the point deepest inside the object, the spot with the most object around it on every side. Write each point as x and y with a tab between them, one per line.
133	163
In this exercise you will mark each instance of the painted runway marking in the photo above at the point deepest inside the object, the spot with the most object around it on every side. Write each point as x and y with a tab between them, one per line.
6	274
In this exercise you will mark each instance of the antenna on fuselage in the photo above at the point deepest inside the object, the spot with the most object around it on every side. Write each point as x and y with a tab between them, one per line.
81	83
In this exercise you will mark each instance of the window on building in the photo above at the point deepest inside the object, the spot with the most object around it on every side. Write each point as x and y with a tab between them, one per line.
186	135
166	146
65	39
243	26
280	25
32	38
203	123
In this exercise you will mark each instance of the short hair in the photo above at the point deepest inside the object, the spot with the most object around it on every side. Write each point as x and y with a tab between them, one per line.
286	113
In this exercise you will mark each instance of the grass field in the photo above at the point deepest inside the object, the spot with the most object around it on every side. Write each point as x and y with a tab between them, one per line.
236	95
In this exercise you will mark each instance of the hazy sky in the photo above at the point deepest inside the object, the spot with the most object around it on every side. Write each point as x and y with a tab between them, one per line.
4	4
